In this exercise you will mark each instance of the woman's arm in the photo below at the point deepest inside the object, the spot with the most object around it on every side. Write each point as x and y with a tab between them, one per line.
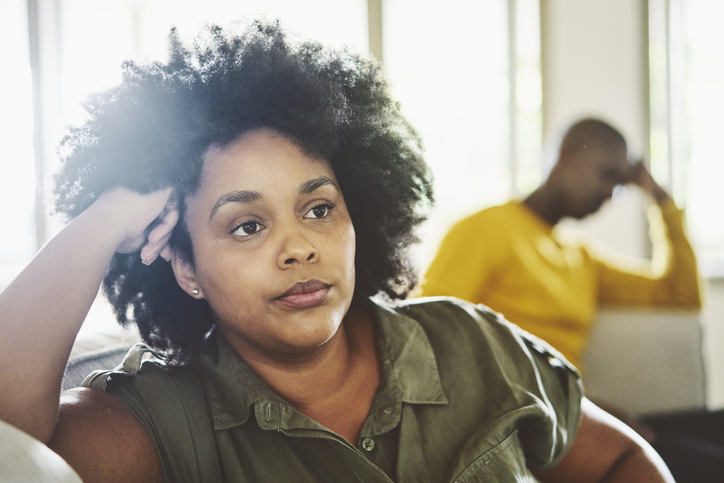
102	440
607	451
42	310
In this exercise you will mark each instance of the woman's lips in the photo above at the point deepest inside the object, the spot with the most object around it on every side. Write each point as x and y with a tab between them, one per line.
304	295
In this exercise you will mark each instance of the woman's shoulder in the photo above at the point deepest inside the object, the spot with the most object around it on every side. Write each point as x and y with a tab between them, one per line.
449	321
442	312
482	359
171	402
147	374
102	439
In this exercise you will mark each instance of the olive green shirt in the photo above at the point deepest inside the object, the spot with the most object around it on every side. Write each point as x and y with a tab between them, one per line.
465	396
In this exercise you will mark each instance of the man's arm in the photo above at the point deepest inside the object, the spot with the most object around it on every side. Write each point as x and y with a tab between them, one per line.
607	451
671	278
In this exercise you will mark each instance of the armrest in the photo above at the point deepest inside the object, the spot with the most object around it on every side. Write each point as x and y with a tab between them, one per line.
24	458
101	346
646	361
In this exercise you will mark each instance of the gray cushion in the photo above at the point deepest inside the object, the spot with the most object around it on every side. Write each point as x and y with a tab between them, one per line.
646	361
104	358
101	344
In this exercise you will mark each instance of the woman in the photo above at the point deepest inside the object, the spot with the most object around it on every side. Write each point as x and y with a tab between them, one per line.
279	185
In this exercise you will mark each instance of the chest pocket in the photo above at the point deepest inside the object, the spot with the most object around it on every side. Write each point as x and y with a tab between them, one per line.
503	463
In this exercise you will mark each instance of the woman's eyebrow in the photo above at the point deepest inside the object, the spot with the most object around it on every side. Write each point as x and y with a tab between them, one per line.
249	196
316	183
234	197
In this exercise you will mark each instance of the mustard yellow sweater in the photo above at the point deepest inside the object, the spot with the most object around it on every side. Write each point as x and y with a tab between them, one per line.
507	258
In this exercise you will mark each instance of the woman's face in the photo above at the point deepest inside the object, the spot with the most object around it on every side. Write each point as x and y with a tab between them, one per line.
274	246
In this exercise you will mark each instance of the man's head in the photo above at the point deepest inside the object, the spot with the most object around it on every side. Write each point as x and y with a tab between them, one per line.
592	160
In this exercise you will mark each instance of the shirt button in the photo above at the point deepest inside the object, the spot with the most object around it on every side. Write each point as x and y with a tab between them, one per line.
368	444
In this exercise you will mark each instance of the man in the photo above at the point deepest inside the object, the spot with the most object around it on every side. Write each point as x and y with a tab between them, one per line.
512	259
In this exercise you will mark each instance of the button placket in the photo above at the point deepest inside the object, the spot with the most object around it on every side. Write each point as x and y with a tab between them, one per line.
268	414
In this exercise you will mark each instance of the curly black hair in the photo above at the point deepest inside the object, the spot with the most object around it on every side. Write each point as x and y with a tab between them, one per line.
151	132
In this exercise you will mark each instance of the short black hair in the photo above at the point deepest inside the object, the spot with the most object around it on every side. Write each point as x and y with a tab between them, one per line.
152	130
591	132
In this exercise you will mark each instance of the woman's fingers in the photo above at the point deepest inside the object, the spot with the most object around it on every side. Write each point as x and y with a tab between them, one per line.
134	213
169	218
159	236
166	253
150	252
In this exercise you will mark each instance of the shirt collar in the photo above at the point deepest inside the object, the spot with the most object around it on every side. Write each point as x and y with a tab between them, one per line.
405	348
409	373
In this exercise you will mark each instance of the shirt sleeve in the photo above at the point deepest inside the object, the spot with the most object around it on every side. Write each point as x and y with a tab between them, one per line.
179	427
561	392
670	279
547	388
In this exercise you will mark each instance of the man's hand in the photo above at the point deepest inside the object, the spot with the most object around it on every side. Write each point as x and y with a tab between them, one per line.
642	178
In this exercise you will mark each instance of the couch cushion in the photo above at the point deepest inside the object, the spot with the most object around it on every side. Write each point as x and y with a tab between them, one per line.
98	346
646	361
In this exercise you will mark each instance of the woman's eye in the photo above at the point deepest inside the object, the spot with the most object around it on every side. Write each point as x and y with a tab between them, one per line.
247	228
319	211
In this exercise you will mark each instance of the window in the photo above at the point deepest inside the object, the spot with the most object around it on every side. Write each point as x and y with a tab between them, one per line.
17	169
80	45
97	36
687	99
459	69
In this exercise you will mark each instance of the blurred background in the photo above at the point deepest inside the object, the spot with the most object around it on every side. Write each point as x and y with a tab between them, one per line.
486	83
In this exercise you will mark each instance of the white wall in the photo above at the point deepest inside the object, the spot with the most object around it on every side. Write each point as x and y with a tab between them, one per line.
595	63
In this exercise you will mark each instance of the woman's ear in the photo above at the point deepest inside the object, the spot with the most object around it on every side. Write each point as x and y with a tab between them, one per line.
185	275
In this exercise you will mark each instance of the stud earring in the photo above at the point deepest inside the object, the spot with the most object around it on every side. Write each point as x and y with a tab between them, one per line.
195	291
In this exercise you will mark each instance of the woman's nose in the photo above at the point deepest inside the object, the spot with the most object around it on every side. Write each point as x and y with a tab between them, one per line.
296	248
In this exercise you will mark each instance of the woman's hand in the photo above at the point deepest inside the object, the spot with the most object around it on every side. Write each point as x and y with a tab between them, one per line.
158	237
145	221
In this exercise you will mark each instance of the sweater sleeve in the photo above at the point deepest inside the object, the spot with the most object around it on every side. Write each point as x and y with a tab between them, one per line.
670	279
